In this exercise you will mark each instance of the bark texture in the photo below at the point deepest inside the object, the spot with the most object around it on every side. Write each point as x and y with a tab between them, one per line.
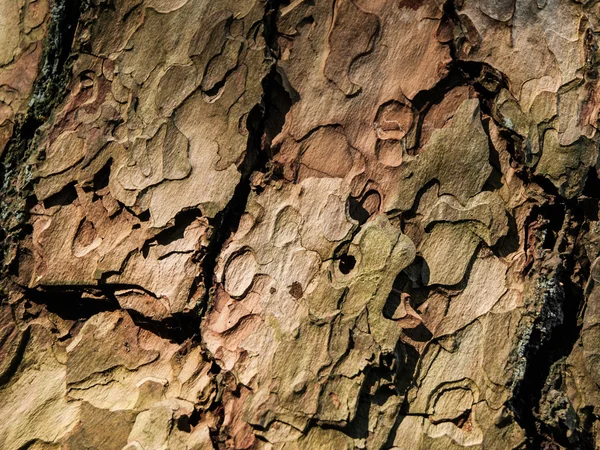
306	224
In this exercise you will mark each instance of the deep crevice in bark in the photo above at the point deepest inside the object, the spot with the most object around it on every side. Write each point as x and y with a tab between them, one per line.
48	91
74	303
264	122
556	328
81	303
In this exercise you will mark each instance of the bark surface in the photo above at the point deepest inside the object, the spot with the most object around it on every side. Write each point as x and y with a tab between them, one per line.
299	225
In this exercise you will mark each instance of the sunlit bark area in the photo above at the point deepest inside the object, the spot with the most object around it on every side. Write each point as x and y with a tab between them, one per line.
299	225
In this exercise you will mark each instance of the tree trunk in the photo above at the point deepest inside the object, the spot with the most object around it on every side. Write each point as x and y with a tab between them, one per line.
330	224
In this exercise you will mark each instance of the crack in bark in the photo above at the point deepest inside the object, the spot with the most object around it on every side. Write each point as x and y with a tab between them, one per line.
262	127
48	90
555	329
81	303
264	122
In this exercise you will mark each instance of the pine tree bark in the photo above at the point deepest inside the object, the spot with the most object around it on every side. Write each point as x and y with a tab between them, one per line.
263	224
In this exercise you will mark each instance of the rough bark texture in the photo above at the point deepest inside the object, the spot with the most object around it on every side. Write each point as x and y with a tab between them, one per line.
314	224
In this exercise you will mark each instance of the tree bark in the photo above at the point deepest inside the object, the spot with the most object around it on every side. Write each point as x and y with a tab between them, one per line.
263	224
